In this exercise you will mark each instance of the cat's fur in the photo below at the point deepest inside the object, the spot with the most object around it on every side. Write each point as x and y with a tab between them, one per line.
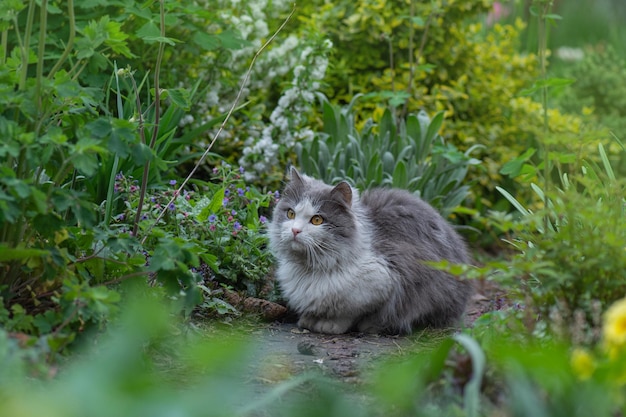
362	269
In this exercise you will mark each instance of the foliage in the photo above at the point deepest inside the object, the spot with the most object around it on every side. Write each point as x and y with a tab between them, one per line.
220	221
586	217
72	121
49	228
599	89
406	154
436	56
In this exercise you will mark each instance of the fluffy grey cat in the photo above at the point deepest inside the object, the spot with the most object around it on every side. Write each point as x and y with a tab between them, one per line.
355	263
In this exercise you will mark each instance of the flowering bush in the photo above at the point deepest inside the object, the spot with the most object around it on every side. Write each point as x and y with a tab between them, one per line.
223	220
288	122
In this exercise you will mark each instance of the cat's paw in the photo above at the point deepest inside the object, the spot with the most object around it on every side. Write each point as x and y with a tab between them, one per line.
328	326
370	327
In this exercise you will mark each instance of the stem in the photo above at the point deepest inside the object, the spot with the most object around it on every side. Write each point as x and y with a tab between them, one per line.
70	39
542	52
415	60
157	120
26	44
4	40
43	21
391	64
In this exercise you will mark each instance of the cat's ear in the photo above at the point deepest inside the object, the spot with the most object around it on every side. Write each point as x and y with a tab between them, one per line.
344	192
295	176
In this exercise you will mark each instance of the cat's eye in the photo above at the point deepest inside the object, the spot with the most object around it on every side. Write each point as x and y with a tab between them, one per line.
317	220
291	214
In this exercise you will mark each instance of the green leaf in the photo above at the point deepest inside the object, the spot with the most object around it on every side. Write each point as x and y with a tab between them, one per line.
232	40
330	120
552	16
606	163
8	254
513	168
179	96
161	39
400	177
217	201
206	41
471	394
434	127
150	29
513	201
546	83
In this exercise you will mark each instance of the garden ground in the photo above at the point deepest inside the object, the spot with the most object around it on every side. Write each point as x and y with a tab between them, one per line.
285	350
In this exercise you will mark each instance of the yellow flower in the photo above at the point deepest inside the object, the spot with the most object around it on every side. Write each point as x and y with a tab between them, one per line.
614	328
582	363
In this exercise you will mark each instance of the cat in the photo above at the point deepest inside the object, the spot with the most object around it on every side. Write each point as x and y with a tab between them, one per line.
354	263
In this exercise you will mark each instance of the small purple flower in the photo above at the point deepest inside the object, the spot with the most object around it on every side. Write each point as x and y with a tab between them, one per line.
152	199
120	217
263	219
241	170
277	194
212	218
225	202
119	176
241	192
212	228
233	212
227	192
144	217
133	188
172	182
237	226
215	170
172	207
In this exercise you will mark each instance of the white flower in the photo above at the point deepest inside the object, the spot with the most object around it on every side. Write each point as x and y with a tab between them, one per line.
298	70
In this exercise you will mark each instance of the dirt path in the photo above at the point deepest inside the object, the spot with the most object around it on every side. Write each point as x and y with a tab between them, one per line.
284	350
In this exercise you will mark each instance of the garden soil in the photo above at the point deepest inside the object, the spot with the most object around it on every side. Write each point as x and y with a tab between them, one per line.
284	350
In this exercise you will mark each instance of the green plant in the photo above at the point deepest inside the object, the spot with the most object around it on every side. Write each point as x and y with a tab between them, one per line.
221	221
67	130
406	154
48	226
599	91
571	252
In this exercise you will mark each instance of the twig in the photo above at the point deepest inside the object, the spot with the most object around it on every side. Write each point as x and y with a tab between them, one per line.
416	59
124	278
222	126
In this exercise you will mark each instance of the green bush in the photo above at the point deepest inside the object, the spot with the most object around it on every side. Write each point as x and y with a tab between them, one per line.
444	59
405	154
599	91
71	120
571	252
220	221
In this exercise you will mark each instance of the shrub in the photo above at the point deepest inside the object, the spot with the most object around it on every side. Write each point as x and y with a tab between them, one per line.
599	91
406	154
444	59
67	131
221	222
571	252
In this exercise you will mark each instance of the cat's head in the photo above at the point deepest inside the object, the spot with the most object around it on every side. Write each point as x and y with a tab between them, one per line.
314	221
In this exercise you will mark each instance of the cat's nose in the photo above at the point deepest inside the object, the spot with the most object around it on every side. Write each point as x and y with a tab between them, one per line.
295	231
